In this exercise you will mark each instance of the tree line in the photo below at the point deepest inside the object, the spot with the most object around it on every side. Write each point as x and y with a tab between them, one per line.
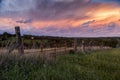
33	41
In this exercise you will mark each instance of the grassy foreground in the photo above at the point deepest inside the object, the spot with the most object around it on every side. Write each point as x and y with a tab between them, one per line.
100	65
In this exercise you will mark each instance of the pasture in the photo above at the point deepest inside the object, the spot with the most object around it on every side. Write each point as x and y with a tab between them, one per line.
95	65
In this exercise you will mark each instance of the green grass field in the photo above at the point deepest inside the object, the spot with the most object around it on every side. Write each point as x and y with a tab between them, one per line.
98	65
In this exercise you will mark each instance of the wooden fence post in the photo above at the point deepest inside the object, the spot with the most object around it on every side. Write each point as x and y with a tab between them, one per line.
101	46
83	46
75	45
41	47
90	45
19	40
33	43
55	47
65	46
118	43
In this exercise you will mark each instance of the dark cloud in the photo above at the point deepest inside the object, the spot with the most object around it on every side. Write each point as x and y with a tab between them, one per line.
1	1
88	23
44	9
111	26
51	9
47	9
116	1
25	21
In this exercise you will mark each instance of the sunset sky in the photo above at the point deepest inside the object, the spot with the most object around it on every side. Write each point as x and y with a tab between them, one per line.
66	18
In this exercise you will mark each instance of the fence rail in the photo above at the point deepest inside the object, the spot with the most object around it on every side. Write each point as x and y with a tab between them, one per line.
21	46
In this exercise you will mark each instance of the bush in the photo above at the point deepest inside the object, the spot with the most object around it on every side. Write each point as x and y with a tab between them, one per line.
71	52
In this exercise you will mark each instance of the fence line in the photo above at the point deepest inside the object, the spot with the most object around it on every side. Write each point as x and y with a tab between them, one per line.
51	46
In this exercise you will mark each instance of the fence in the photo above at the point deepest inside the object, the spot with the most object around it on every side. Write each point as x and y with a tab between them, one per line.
21	45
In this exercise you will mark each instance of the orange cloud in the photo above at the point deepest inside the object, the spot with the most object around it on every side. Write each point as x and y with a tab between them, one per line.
102	14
